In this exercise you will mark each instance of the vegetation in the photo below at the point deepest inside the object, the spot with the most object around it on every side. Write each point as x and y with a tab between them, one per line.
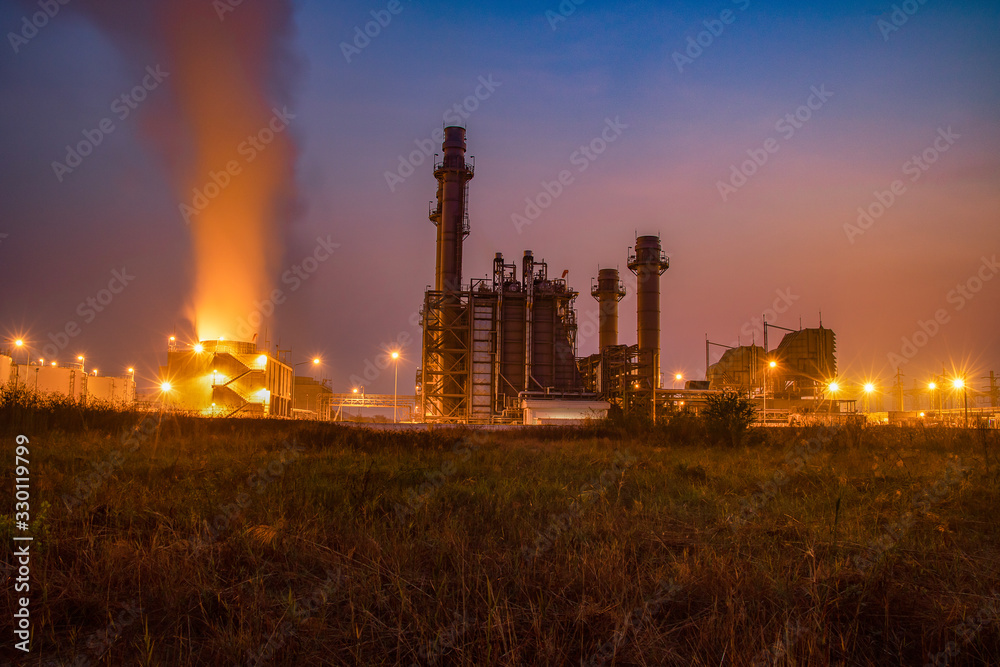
730	414
188	541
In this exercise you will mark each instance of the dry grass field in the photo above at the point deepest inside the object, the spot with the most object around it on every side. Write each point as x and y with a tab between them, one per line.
182	541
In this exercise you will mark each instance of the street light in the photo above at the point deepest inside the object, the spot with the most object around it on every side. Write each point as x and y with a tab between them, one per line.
770	365
959	383
395	382
361	410
869	388
315	362
833	388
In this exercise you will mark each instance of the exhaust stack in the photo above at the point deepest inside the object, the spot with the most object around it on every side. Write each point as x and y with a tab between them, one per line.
608	291
648	263
451	216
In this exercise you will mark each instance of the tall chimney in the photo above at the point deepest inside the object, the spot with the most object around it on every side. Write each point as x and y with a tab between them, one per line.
452	213
608	291
648	263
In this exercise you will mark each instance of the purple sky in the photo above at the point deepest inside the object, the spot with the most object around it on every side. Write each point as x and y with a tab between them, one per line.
686	115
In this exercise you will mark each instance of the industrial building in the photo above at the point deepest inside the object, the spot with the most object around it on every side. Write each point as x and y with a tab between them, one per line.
227	378
68	381
504	349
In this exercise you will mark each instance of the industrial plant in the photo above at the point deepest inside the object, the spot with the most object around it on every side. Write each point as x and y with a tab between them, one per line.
503	350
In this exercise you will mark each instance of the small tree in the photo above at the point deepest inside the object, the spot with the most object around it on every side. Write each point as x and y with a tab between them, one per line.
730	414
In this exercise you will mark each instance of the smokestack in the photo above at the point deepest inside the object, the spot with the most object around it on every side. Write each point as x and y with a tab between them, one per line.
608	291
648	263
452	214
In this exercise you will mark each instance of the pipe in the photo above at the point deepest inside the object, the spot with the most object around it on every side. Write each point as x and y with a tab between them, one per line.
648	263
608	291
451	215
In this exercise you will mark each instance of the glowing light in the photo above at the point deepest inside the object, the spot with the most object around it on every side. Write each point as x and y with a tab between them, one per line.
834	387
869	387
316	361
355	390
921	414
173	338
79	358
19	343
394	355
131	370
165	387
773	364
53	363
41	361
932	386
262	360
678	377
958	383
198	347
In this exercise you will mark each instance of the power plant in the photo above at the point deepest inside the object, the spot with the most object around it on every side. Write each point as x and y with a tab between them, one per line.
497	350
503	350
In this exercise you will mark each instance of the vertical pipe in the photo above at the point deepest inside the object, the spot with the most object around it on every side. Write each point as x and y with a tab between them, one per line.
648	263
452	173
608	291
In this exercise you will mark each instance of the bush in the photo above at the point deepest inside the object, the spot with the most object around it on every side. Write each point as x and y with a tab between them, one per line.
729	414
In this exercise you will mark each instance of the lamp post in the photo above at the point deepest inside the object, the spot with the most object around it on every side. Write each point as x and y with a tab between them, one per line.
19	344
131	372
959	383
677	378
833	387
395	381
315	362
82	361
770	365
361	410
869	388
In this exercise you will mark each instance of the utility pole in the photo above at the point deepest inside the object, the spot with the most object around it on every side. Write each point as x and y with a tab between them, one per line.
899	387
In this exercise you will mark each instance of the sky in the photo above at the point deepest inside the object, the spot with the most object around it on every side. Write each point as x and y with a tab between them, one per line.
841	159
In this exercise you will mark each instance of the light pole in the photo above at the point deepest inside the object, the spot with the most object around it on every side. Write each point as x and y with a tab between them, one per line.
677	378
19	344
315	362
834	387
131	372
869	388
361	410
959	383
82	361
770	365
395	382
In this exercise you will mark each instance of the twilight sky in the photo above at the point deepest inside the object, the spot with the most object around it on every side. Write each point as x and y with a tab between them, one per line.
747	134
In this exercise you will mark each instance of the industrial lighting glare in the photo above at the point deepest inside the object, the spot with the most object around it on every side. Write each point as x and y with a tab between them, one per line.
316	361
773	364
678	377
262	360
958	383
834	387
355	390
869	387
921	414
932	386
53	363
165	387
131	370
394	355
198	347
19	343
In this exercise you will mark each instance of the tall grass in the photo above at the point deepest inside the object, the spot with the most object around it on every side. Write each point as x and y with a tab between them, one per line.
266	542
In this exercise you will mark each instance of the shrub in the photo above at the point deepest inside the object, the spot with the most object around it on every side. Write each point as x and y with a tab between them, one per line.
729	414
